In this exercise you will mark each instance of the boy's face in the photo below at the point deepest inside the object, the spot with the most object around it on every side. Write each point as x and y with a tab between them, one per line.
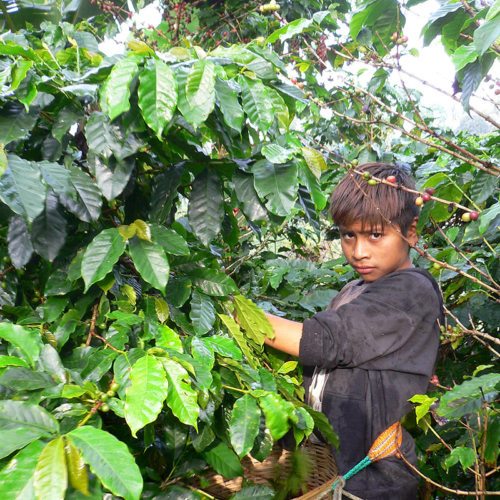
375	252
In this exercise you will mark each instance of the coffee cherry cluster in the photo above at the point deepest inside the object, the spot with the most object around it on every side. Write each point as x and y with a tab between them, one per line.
399	40
468	216
104	396
270	7
424	197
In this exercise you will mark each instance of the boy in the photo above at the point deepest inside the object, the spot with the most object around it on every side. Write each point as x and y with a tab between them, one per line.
376	345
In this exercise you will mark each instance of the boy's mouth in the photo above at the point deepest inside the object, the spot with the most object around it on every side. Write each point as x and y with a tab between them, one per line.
363	269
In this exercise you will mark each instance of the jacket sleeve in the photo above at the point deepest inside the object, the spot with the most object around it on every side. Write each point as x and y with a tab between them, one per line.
388	326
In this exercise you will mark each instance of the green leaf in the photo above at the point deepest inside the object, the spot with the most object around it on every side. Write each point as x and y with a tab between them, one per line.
19	72
277	412
16	478
322	424
157	95
223	460
253	320
288	367
206	206
423	403
213	282
276	153
164	192
27	341
48	231
257	492
202	312
227	92
193	115
51	474
57	177
19	242
447	191
464	55
181	398
16	126
77	470
288	31
171	241
113	182
466	457
280	109
168	338
22	189
277	184
86	201
383	17
245	191
23	379
161	309
239	337
151	262
110	460
491	449
486	34
224	346
470	82
248	60
12	361
244	424
101	255
484	186
488	216
117	87
145	394
200	85
257	103
106	139
467	397
21	423
315	161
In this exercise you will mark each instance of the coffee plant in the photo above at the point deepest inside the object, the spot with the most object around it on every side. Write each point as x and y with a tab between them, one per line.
149	196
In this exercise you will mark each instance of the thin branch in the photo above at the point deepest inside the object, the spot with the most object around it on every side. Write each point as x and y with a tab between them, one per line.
462	154
452	245
418	139
442	487
95	311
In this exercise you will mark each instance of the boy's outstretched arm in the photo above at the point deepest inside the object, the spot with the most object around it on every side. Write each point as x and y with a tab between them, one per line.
288	334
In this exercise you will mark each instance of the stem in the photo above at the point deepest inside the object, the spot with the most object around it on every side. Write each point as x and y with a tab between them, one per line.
229	388
450	243
8	19
442	487
93	320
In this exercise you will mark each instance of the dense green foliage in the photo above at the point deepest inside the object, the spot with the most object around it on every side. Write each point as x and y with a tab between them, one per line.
148	196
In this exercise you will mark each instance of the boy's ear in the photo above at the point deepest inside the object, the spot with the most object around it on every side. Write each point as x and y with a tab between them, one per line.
412	235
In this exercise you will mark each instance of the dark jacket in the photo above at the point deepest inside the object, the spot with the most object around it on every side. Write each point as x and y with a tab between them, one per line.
381	348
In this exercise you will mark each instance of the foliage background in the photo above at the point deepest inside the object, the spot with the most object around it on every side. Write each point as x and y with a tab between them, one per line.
146	194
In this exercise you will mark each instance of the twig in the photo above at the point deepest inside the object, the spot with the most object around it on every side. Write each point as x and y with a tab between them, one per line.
462	153
472	331
452	245
442	487
480	166
93	320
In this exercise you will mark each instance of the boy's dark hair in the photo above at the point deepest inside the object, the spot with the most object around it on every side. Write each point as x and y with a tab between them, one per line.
354	199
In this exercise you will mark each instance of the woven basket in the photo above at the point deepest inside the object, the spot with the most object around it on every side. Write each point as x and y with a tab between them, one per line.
278	464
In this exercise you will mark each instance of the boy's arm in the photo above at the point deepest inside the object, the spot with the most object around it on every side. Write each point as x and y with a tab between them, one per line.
287	334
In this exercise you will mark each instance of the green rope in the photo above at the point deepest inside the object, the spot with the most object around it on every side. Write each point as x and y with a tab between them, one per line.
357	468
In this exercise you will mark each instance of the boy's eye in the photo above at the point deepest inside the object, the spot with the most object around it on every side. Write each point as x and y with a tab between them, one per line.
376	236
347	236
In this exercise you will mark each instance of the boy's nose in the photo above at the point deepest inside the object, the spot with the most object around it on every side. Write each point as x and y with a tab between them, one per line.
360	250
